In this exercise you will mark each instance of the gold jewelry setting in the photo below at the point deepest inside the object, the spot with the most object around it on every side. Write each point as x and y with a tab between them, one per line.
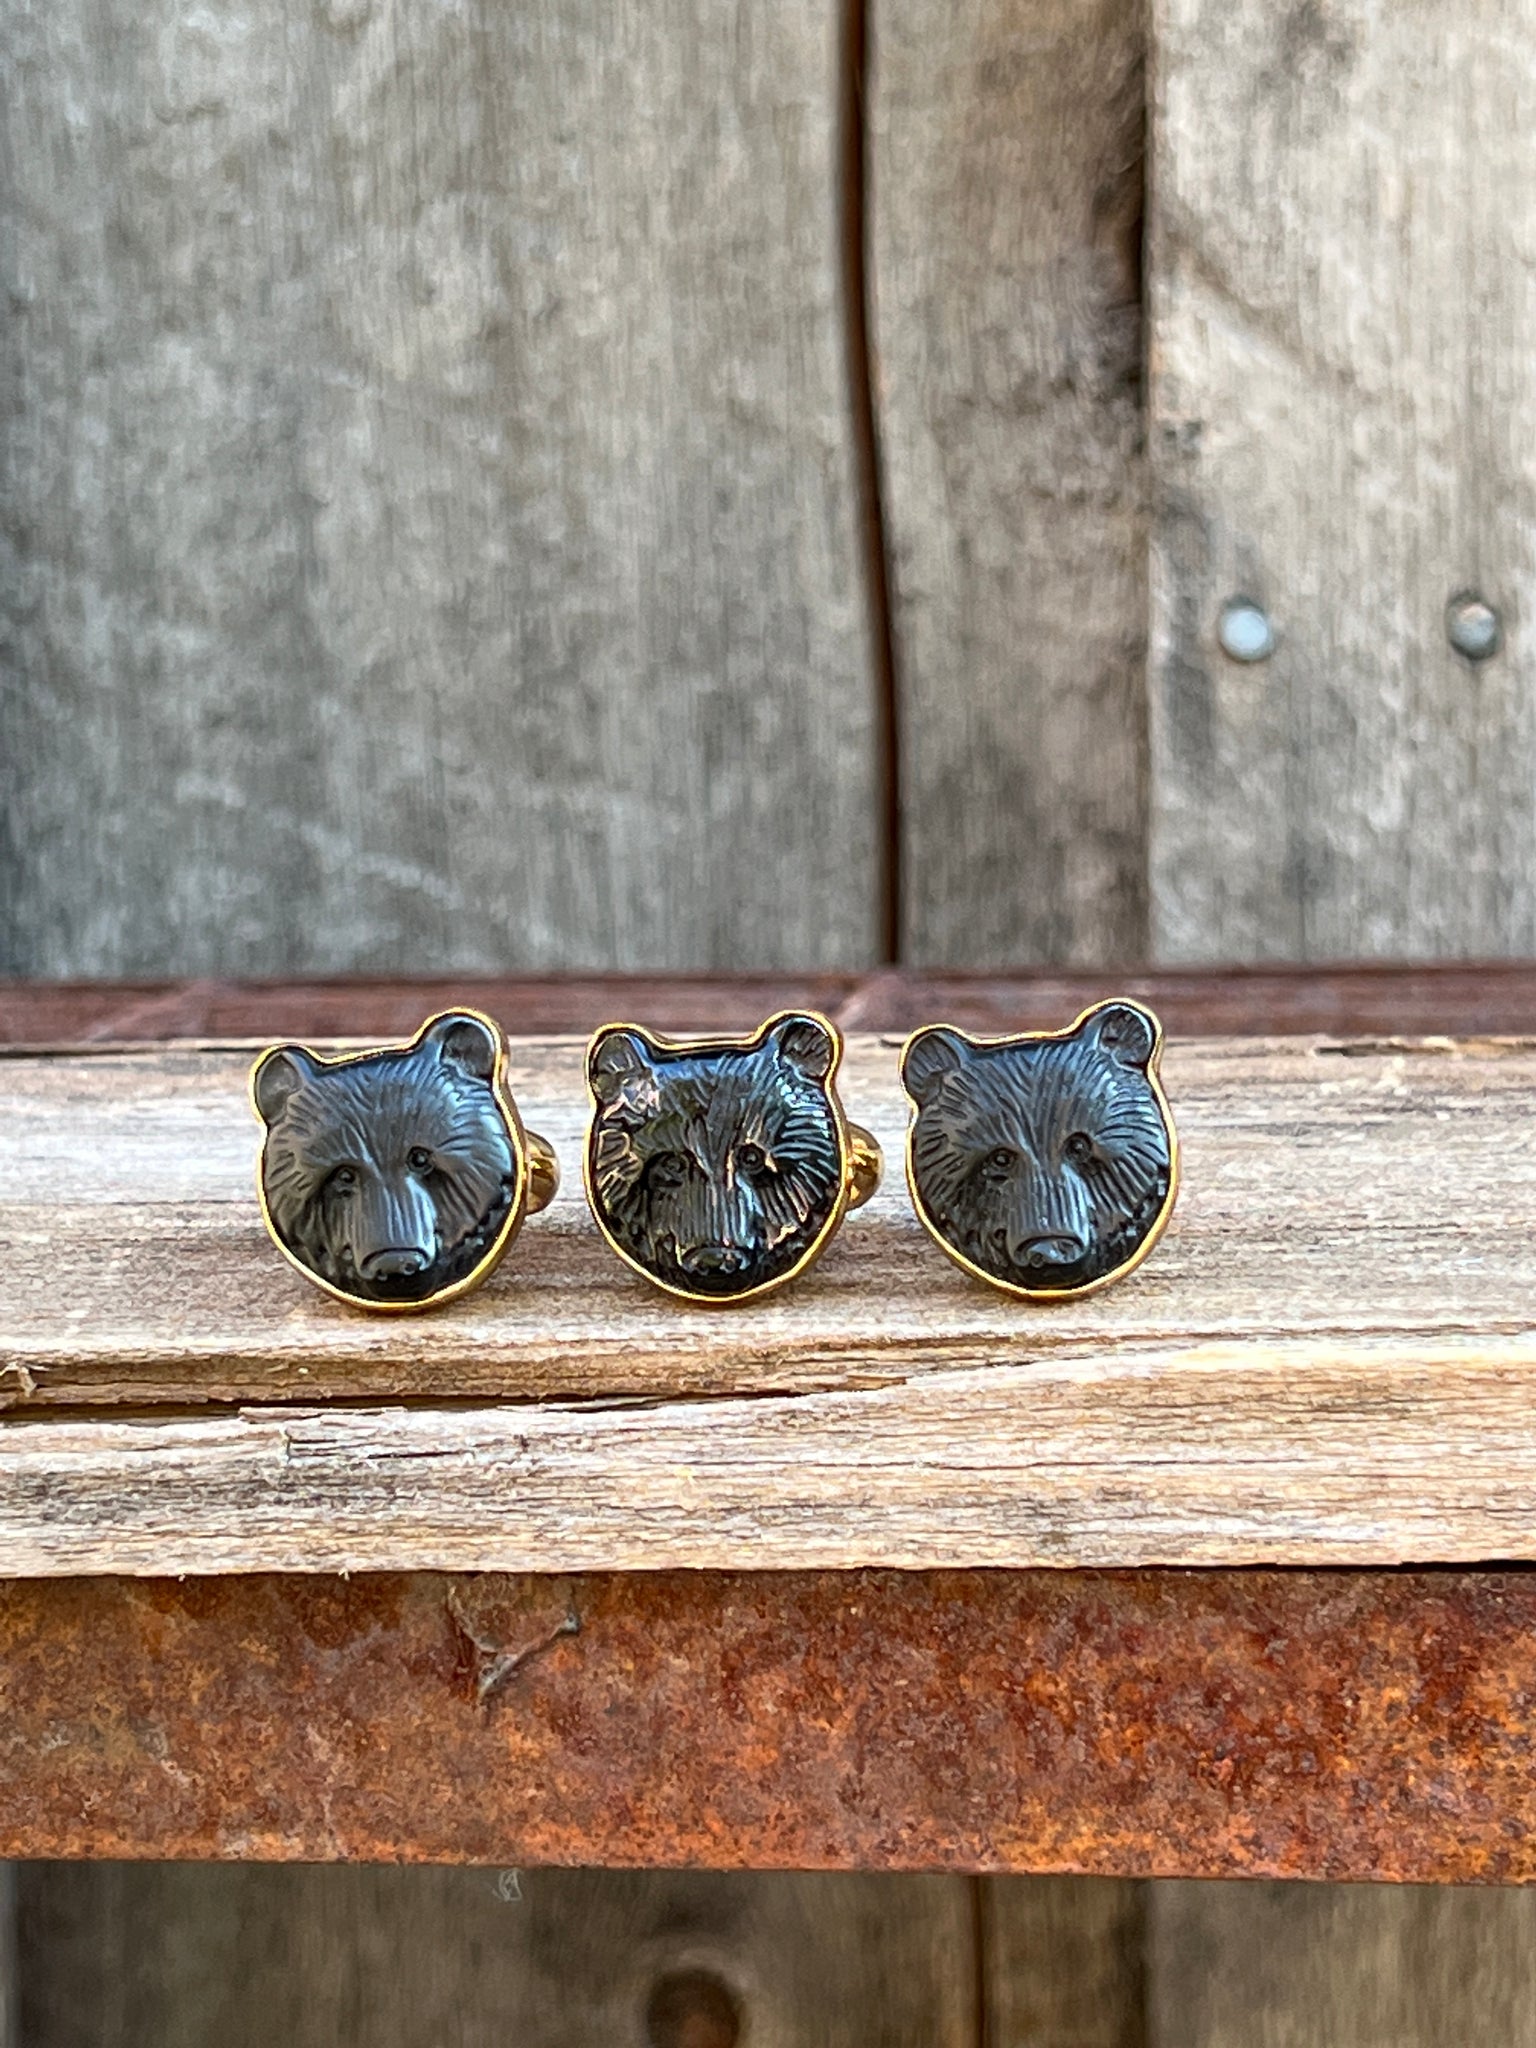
397	1178
720	1167
1045	1163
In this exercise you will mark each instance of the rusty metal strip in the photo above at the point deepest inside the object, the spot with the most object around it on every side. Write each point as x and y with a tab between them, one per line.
1294	1724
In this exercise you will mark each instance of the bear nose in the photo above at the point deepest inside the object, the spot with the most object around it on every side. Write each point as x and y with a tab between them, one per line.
1054	1250
713	1258
395	1262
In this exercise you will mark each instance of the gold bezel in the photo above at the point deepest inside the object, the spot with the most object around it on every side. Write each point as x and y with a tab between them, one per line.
710	1042
502	1095
1160	1221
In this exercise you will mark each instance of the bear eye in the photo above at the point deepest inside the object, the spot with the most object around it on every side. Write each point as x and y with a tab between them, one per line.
1079	1148
751	1160
419	1159
668	1170
1001	1160
342	1181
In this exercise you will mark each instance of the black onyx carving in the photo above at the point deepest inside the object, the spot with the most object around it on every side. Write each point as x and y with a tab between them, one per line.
1046	1162
392	1178
717	1169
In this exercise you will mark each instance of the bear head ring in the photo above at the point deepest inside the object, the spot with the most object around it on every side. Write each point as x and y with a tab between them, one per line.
719	1168
397	1178
1047	1162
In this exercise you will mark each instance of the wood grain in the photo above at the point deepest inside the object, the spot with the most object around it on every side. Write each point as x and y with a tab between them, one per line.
1064	1962
1460	999
431	511
1328	1360
123	1956
1361	1966
1342	393
1005	150
10	2036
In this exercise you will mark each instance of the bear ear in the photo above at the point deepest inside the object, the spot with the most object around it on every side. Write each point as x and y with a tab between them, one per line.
929	1056
620	1067
1122	1030
806	1045
465	1042
280	1074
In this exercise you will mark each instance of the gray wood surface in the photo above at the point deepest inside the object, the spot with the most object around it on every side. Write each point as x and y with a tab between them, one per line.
432	527
9	2011
429	494
1342	404
1312	1367
431	542
1063	1959
1340	1966
182	1956
1310	1236
175	1956
1005	192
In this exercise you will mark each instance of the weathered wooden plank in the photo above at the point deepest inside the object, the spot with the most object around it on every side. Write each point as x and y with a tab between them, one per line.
1327	1360
1005	226
1336	1198
1346	1453
430	491
1342	399
124	1956
1063	1960
1269	1965
1435	998
1317	1724
10	2036
78	1014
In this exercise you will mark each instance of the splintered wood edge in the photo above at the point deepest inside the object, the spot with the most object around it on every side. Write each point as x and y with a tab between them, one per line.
1222	1455
939	1434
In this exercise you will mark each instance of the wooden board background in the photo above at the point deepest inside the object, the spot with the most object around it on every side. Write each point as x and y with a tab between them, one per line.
180	1955
437	486
1342	405
459	475
9	1987
431	491
1006	174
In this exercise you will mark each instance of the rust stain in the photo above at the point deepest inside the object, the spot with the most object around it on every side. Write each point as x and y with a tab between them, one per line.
1288	1724
489	1665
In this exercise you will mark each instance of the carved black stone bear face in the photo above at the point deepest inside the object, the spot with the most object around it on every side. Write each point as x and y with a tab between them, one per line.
718	1169
1044	1163
392	1178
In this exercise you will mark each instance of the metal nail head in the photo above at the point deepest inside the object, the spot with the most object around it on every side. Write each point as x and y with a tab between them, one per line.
1244	631
1472	626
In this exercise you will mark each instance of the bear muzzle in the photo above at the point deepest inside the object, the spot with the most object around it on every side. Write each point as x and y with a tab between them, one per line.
1049	1252
394	1230
1046	1232
395	1262
715	1258
719	1237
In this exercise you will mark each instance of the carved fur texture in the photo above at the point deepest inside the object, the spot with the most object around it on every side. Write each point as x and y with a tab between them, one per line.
1044	1162
391	1176
716	1169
